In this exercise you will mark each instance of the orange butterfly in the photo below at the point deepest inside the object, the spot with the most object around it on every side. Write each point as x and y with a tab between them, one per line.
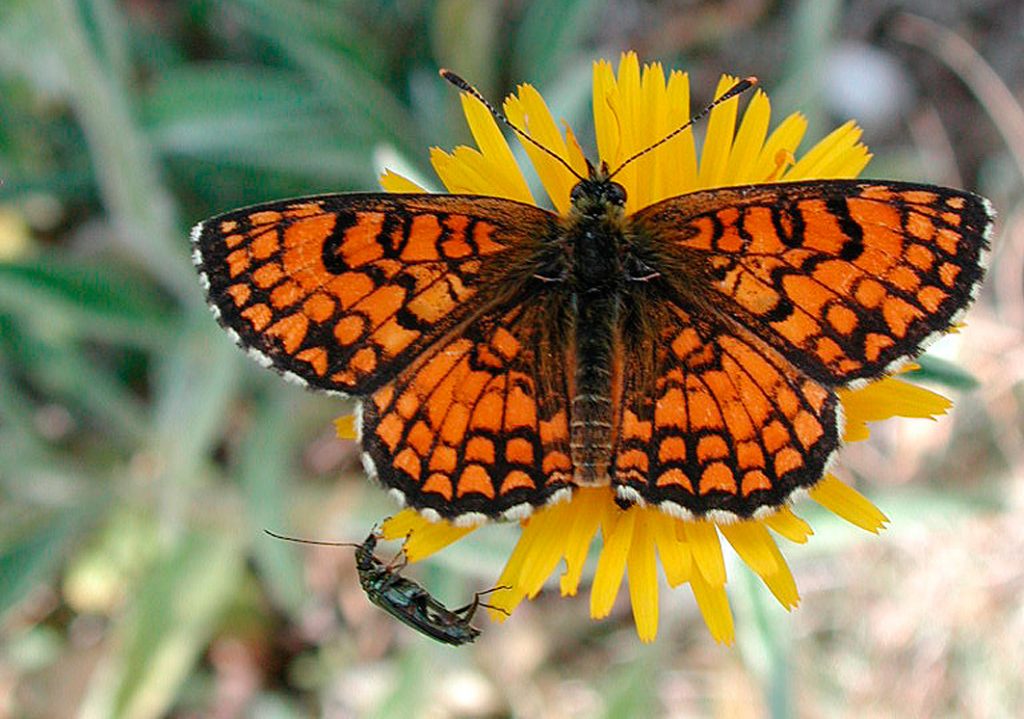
688	354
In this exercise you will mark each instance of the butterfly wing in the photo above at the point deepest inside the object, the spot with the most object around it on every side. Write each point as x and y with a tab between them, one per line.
767	298
478	426
343	291
713	419
845	278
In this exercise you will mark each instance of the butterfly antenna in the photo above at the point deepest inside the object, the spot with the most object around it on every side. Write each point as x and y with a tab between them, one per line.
310	541
466	87
740	87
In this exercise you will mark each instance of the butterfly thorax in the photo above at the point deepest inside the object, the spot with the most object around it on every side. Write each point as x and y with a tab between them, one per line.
594	234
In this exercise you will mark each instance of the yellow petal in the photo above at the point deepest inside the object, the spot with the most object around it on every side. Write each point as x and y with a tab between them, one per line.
707	550
606	121
547	550
781	583
754	545
431	538
757	548
742	167
393	182
611	564
678	156
506	600
528	111
643	580
467	171
788	525
714	156
841	140
785	138
846	502
400	525
345	426
889	397
495	149
628	115
589	508
714	607
577	158
674	553
847	164
649	178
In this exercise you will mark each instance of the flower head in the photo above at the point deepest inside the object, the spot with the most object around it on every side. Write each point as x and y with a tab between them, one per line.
634	108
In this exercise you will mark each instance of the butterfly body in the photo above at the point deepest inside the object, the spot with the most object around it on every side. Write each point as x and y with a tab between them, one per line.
688	354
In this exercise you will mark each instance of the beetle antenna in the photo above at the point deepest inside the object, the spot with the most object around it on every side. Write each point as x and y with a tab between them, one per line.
298	540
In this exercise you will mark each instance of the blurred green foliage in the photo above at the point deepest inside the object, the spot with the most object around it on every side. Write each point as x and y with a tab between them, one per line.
141	454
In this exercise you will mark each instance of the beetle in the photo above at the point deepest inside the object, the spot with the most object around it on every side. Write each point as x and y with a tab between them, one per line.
404	599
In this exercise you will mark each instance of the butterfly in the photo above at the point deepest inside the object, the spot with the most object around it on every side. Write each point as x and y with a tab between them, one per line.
406	600
687	355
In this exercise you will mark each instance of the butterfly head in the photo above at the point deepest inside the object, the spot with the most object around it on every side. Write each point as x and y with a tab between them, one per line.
597	193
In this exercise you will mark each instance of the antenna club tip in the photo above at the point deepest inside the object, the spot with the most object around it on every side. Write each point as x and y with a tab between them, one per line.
752	80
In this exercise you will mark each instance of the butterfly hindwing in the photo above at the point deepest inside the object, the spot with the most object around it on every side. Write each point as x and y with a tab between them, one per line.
343	291
478	426
712	419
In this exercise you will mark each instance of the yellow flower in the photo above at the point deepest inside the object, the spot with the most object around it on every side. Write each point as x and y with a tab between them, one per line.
633	109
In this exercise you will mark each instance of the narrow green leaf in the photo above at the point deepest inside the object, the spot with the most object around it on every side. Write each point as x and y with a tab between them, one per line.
195	385
142	210
336	28
465	38
26	557
551	33
173	616
943	372
61	370
266	465
628	691
813	26
367	109
85	300
409	689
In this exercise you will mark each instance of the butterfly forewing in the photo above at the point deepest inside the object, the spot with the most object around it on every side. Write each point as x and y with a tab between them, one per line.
343	291
844	278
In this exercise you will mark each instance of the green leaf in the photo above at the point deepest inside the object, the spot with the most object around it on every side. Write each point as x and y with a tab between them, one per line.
814	25
336	28
224	104
551	33
85	300
194	387
943	372
367	109
26	558
175	612
266	465
628	693
60	368
464	36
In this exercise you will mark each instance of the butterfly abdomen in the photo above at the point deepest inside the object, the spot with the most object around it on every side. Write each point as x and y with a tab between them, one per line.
591	428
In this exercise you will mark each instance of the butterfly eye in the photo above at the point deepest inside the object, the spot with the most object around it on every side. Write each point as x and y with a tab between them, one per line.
616	193
577	193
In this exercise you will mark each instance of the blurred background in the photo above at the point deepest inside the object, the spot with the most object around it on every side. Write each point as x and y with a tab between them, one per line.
142	454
